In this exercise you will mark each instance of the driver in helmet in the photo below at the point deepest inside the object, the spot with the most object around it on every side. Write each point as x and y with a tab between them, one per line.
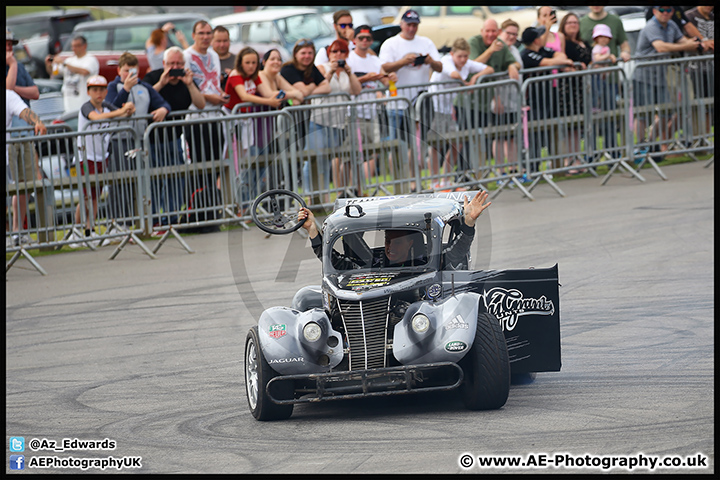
399	243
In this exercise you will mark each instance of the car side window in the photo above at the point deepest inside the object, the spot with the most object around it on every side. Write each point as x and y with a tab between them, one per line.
260	32
132	38
454	10
427	11
96	39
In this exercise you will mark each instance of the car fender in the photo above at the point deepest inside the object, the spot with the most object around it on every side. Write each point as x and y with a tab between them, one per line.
449	337
285	347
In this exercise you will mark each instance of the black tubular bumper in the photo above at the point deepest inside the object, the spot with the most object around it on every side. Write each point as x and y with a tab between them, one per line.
317	387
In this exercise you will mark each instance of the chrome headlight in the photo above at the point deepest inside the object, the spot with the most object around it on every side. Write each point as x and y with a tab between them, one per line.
312	332
420	323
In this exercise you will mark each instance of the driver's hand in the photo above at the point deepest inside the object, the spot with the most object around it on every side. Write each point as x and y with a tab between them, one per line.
475	207
309	224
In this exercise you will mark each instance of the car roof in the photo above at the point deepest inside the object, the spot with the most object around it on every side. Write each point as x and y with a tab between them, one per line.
15	19
138	19
392	212
260	15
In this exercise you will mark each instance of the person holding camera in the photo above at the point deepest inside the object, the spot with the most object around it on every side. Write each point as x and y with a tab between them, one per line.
327	125
174	82
128	88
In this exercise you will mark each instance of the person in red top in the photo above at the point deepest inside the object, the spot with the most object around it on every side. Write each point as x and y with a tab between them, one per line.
244	85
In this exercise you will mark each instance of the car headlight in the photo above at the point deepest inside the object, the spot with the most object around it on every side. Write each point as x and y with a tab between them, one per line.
420	323
312	332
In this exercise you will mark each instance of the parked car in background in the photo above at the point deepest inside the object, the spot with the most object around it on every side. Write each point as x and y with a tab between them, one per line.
275	28
108	39
444	24
44	33
362	15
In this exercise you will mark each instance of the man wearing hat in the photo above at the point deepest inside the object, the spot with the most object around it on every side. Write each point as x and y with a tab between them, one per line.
411	57
16	77
368	68
660	35
541	97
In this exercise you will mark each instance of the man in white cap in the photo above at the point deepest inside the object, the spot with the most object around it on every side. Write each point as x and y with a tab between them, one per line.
93	149
412	57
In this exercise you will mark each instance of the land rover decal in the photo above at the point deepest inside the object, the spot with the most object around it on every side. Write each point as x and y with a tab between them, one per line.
508	305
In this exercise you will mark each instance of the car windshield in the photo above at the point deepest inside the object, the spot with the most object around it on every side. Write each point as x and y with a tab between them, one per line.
31	29
310	26
378	249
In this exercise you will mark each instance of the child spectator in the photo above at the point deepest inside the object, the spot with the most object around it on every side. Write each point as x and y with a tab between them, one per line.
95	148
601	44
455	66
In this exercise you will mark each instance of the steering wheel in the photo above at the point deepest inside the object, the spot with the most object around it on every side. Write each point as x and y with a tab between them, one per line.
276	211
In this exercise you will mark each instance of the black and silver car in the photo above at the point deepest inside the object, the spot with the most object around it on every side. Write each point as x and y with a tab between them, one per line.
371	328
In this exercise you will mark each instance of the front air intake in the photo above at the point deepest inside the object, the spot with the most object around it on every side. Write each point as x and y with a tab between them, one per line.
365	325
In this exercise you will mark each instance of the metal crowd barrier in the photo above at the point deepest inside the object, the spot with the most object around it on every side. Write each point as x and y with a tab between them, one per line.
198	173
57	203
673	107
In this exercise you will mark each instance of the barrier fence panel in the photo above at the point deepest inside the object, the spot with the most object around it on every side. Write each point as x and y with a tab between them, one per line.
328	155
189	177
672	107
475	128
572	121
66	205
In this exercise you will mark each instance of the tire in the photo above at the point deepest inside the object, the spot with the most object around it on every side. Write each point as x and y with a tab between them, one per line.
257	375
486	367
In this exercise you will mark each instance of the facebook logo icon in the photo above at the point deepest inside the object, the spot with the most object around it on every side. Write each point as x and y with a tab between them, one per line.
17	444
17	462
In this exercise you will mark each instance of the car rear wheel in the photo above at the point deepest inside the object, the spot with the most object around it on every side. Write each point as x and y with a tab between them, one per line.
486	367
257	375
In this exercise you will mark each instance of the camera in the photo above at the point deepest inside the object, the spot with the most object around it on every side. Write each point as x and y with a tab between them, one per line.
176	72
553	13
281	94
133	71
341	63
419	60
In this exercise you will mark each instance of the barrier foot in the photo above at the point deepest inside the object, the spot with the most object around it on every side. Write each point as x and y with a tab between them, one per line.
648	159
29	257
710	162
522	188
624	165
548	179
137	241
175	233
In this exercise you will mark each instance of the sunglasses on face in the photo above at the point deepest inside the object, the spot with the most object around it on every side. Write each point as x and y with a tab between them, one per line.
664	10
338	51
368	39
345	25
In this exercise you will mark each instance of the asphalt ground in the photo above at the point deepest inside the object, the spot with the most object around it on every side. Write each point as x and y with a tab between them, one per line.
149	353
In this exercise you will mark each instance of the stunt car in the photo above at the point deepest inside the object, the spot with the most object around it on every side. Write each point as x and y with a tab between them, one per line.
373	328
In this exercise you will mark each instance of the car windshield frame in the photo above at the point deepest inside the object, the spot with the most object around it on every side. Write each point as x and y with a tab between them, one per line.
363	252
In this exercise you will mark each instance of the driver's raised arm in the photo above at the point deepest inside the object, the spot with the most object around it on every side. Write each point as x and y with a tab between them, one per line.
455	254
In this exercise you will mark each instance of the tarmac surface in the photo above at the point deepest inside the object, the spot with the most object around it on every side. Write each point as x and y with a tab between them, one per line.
149	353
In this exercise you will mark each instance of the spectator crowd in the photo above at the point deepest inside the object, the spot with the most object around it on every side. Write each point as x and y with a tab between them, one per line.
203	77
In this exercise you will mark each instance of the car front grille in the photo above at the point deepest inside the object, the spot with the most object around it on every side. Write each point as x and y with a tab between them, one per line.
365	324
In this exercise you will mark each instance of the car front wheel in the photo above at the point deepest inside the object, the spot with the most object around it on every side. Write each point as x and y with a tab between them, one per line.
257	375
486	367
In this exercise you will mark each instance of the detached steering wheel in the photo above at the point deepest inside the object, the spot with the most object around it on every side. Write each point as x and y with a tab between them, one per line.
276	211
